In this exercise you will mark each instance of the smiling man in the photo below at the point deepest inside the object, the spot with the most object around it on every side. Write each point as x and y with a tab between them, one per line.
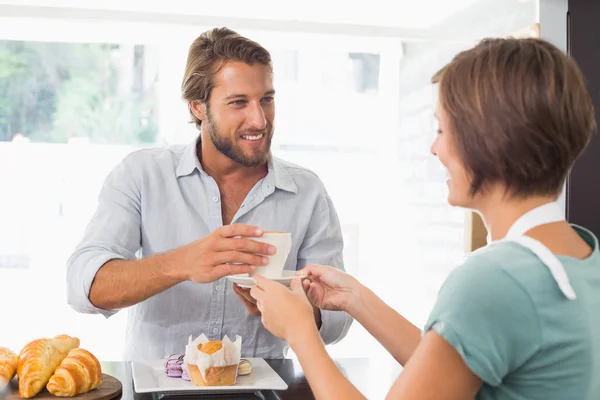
190	210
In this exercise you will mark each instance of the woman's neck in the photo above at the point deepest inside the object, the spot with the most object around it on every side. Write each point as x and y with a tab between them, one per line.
500	212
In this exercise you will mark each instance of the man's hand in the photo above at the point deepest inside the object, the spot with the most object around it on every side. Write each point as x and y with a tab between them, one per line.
247	300
228	250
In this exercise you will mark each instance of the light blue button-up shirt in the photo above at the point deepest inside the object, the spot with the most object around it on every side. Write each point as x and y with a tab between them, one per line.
156	200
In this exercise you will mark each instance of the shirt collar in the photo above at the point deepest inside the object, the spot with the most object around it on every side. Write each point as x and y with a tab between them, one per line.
189	160
277	174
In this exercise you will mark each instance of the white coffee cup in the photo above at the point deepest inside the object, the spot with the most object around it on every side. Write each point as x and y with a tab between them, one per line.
282	241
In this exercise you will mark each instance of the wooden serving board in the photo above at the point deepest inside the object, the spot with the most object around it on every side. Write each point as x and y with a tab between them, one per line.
109	389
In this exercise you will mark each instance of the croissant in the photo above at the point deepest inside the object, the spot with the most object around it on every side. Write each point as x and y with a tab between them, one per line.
78	373
39	359
8	365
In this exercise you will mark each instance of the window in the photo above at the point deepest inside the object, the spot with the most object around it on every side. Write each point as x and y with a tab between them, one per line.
356	108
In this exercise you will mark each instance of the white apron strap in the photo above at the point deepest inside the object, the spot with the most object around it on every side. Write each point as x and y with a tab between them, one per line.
551	261
544	214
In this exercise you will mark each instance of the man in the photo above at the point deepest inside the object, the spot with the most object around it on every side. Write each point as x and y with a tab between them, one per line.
188	209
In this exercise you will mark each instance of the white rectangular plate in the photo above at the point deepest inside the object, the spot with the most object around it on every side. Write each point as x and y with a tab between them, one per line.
149	376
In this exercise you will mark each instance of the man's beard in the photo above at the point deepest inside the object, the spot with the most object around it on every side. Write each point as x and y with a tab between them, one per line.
231	148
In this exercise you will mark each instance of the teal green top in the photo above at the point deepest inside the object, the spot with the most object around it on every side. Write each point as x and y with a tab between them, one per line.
505	315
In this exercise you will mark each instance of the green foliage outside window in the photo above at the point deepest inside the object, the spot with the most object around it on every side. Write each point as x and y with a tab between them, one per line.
52	92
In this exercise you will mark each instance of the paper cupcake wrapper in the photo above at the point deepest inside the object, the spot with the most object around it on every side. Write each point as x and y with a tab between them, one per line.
230	354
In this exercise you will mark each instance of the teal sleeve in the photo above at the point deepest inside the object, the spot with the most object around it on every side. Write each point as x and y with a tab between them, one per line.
488	317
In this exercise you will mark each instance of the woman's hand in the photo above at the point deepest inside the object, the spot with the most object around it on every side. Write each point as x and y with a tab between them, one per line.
329	288
286	313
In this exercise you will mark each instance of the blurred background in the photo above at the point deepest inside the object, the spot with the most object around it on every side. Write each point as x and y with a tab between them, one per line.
85	83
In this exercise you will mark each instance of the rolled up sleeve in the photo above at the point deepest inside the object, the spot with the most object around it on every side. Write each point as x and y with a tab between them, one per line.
324	244
112	234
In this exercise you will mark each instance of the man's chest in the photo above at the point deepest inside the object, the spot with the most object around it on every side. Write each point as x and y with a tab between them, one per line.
232	198
175	216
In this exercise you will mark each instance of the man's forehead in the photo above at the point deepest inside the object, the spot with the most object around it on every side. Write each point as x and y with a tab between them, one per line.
238	77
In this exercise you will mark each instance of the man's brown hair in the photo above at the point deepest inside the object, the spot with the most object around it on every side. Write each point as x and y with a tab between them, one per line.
519	113
207	55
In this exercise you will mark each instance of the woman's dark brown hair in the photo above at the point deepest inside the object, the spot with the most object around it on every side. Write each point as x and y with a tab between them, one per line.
519	113
207	55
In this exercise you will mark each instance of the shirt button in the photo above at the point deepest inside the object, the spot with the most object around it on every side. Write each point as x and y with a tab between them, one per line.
215	330
218	288
215	199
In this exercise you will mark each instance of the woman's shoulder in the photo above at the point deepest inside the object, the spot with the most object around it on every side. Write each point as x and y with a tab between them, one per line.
501	270
511	257
507	265
499	258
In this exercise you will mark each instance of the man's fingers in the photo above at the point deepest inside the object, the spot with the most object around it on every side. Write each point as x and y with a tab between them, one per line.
244	245
233	230
232	256
223	270
237	293
243	293
250	307
237	289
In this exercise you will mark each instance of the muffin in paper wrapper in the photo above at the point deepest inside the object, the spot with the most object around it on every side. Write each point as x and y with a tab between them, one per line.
217	369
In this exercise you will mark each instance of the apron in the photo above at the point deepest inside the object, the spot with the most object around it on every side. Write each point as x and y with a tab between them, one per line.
544	214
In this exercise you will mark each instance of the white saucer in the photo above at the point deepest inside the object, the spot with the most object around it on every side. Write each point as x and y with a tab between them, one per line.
245	281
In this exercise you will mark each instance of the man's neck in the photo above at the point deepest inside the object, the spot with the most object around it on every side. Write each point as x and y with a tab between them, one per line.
221	167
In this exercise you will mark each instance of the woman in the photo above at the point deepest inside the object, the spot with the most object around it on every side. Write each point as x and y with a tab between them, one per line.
515	320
